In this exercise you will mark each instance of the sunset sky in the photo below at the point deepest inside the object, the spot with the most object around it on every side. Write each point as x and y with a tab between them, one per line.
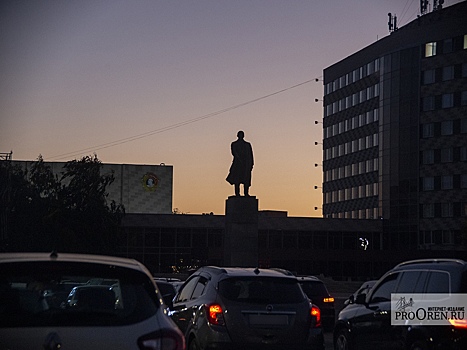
150	82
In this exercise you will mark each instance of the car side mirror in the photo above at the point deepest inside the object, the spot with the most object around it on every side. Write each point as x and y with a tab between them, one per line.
360	299
351	299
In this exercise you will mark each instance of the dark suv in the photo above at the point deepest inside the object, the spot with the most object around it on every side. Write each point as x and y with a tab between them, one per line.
317	292
235	308
366	324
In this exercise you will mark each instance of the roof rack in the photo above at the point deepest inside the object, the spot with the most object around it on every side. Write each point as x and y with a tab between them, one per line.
432	261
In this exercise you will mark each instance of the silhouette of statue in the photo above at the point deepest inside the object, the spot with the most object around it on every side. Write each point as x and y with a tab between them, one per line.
242	164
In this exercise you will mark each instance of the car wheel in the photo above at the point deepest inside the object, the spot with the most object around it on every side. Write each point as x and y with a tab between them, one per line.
193	345
341	341
418	345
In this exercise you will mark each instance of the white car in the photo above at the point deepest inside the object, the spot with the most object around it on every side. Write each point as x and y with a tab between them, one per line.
76	301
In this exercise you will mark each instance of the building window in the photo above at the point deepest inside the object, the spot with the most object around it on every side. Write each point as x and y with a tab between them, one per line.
429	76
428	156
430	48
464	98
463	154
448	73
446	210
428	210
464	181
428	130
448	237
464	125
446	182
447	46
447	101
428	183
447	127
428	103
446	155
465	41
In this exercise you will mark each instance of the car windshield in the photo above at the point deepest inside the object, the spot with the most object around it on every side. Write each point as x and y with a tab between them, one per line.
261	290
73	294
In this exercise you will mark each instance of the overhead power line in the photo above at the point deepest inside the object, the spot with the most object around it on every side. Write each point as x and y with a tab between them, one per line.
176	125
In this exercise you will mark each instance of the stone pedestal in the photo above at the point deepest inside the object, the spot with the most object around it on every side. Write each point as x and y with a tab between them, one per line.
241	232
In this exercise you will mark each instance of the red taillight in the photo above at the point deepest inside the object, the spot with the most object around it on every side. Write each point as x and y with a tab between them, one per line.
164	339
458	323
214	314
328	300
315	316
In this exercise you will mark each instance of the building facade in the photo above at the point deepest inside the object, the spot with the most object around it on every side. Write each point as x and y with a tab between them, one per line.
395	133
141	188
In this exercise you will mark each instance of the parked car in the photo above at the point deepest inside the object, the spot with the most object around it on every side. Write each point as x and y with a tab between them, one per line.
167	289
366	324
363	289
246	308
75	301
317	292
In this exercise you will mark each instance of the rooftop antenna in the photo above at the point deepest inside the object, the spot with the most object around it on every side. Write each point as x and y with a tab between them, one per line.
392	23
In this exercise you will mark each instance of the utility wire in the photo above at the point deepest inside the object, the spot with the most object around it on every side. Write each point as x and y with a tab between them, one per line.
177	125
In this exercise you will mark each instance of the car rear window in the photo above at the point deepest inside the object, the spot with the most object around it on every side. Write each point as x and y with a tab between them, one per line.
314	289
261	290
55	293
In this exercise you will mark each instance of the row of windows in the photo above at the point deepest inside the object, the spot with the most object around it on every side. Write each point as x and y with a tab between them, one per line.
444	182
369	213
445	46
354	169
352	123
446	127
456	99
444	155
347	194
352	77
444	210
352	146
439	237
352	100
431	76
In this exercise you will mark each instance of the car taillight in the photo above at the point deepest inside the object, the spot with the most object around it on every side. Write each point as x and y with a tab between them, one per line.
328	300
458	323
165	339
214	314
315	316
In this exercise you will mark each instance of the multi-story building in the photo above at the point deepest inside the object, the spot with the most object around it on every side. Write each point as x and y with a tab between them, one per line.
395	133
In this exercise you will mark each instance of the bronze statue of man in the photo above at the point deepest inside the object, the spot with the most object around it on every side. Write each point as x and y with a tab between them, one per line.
242	164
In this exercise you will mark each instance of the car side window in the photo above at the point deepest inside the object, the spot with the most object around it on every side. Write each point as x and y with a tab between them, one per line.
187	290
438	282
199	288
412	282
384	290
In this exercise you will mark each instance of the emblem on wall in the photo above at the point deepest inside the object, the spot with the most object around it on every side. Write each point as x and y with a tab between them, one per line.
150	182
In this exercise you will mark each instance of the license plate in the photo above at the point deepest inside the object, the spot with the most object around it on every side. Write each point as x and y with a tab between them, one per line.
268	320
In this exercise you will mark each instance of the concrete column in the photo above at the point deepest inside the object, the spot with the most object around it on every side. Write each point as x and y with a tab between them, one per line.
241	232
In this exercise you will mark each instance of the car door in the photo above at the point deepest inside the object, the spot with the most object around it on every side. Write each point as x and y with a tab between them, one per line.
371	324
179	313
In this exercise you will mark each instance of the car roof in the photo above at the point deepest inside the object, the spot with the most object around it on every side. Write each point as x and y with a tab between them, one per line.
246	272
430	264
71	257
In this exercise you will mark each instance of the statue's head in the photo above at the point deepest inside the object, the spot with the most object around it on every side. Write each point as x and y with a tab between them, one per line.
240	134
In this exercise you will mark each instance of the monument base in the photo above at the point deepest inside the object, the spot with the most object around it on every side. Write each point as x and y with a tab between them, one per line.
241	232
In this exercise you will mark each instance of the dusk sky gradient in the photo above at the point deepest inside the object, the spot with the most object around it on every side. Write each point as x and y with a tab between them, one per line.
141	82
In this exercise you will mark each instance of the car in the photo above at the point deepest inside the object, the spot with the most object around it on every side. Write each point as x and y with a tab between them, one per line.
367	323
167	289
249	308
80	301
317	292
363	289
